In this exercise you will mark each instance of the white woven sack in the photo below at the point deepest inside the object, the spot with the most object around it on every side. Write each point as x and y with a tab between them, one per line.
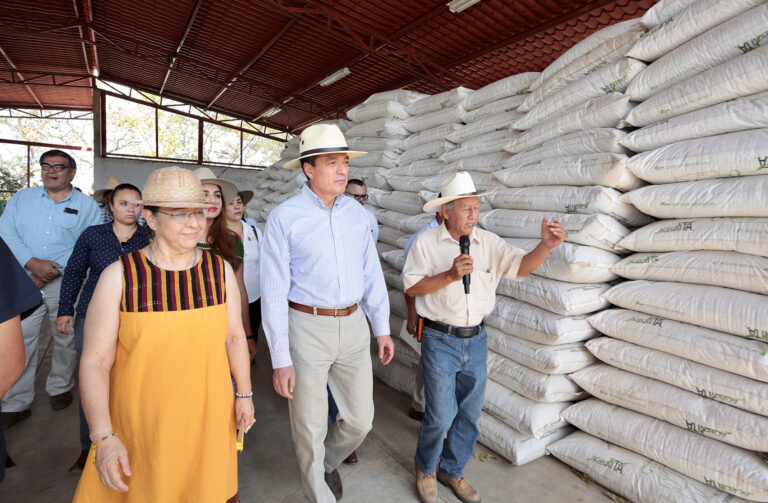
409	203
738	77
375	144
415	222
391	218
663	10
605	111
571	262
390	235
377	180
744	235
686	24
730	469
740	114
743	153
560	297
454	114
394	279
503	105
404	354
709	347
382	158
397	303
718	197
523	414
516	447
530	383
342	124
424	167
379	128
559	359
402	96
376	110
395	375
609	52
675	406
382	248
587	141
600	231
610	78
485	163
702	267
363	172
569	199
713	47
483	181
704	380
593	41
431	150
440	101
405	183
479	145
436	133
509	86
632	475
497	122
723	309
534	324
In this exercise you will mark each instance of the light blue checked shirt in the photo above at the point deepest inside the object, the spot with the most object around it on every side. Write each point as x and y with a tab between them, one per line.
318	257
432	223
34	226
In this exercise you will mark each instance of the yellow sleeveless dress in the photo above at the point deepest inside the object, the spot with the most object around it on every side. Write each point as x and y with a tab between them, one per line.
170	397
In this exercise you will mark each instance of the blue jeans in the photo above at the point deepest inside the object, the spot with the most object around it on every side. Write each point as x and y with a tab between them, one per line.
455	372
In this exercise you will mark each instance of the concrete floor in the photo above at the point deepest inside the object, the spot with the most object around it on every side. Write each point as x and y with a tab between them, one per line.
45	445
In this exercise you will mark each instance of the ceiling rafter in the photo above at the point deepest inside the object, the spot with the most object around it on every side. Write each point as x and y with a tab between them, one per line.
172	58
15	71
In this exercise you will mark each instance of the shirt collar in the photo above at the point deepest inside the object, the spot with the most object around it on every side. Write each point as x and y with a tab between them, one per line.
44	193
443	234
315	199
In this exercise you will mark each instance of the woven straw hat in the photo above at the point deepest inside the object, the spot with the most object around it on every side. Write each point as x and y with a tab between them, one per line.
173	187
112	182
228	189
322	139
457	186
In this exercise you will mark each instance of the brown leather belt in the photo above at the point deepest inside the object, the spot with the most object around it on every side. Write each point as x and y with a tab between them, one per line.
321	311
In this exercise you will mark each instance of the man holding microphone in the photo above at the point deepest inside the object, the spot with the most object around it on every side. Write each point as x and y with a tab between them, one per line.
455	289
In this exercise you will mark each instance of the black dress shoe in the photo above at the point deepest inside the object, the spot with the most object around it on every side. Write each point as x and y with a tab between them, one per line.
333	480
415	414
61	401
12	418
351	459
78	465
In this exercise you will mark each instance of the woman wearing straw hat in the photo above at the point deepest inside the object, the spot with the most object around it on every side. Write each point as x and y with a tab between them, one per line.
96	248
250	237
162	336
216	237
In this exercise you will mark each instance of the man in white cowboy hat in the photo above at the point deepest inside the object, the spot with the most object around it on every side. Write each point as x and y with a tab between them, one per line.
319	267
454	346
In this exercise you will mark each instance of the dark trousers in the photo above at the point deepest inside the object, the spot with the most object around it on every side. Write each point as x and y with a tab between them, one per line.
254	310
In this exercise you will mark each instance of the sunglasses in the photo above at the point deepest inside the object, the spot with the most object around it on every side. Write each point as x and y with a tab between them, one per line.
359	197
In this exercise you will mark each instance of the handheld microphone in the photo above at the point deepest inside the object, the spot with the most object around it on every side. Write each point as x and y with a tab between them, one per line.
464	245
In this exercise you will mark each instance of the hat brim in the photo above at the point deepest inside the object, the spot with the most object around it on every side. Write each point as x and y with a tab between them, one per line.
436	203
228	189
98	196
295	163
168	204
246	196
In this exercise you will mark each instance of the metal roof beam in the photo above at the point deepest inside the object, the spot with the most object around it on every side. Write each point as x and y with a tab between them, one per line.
263	50
88	15
29	89
183	39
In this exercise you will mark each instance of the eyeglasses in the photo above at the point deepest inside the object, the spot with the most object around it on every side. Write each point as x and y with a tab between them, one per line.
359	197
182	217
56	168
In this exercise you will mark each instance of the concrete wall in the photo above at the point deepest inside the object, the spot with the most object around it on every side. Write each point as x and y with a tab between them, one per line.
136	171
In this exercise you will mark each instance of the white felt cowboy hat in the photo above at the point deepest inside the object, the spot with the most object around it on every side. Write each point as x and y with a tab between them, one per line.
322	139
112	182
457	186
228	189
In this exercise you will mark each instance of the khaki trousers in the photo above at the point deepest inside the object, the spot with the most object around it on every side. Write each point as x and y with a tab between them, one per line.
334	352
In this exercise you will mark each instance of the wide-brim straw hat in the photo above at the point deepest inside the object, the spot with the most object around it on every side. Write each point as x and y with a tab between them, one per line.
173	187
457	186
112	182
322	139
228	189
246	196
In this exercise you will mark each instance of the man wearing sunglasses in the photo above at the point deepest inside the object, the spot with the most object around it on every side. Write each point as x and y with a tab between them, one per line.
357	190
40	226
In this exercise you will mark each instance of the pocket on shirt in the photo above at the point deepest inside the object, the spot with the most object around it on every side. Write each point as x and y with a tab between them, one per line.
487	280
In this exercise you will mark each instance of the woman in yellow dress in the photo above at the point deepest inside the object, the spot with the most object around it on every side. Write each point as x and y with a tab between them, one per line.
163	333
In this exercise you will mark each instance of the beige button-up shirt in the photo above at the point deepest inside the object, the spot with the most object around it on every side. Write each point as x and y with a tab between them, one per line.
433	252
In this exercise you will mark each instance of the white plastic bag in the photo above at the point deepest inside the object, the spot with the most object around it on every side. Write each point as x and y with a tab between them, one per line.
436	133
534	324
523	414
424	167
530	383
494	108
572	262
497	122
409	203
440	101
484	144
509	86
587	141
560	297
455	114
375	110
663	10
379	128
380	158
400	95
395	375
516	447
485	163
559	359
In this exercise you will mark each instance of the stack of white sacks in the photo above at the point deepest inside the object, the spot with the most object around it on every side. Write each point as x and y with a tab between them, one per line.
680	405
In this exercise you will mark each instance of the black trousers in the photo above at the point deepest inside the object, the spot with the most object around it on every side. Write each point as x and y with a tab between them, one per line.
254	310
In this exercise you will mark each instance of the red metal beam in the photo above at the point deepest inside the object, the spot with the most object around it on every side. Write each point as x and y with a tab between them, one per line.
47	145
183	39
82	44
29	89
88	16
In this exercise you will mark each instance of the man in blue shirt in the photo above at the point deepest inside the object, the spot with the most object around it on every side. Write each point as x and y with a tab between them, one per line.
320	278
356	189
40	226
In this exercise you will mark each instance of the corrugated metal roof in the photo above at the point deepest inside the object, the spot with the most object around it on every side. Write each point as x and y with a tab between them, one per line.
244	57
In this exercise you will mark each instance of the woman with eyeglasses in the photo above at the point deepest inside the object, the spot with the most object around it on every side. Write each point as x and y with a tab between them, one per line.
96	248
162	338
250	239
